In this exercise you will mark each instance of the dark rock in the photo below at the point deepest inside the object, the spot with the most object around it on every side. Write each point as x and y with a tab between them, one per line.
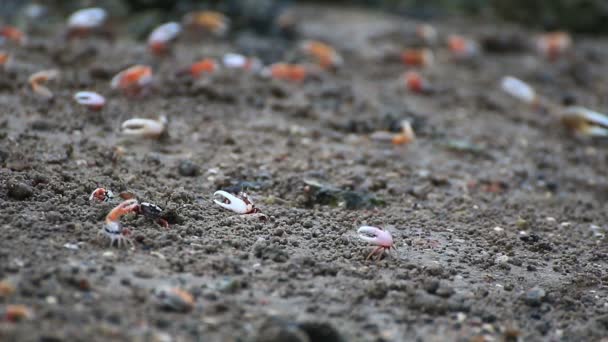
19	191
321	332
535	296
278	330
187	168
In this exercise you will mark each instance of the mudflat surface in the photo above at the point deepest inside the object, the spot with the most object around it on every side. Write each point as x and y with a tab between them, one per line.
498	214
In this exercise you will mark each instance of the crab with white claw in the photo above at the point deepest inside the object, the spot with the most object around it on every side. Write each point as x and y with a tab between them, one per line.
113	229
239	203
376	236
101	195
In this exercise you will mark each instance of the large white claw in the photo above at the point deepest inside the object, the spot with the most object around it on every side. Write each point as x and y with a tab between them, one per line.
235	203
376	236
518	89
147	128
165	33
87	18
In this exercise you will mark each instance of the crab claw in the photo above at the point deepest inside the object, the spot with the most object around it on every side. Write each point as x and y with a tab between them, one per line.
147	128
375	236
121	210
238	204
90	100
585	121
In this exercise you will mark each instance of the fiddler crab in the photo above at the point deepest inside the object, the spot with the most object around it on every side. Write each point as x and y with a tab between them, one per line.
160	39
382	239
113	229
197	69
239	203
101	195
86	22
134	81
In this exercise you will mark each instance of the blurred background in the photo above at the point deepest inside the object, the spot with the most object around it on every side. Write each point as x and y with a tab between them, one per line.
579	16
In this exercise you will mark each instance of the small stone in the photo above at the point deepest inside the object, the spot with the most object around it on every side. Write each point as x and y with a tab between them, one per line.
187	168
174	299
498	229
535	296
19	191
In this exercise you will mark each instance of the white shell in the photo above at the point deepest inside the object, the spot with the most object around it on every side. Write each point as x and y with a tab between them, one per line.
518	89
89	98
144	127
165	32
88	18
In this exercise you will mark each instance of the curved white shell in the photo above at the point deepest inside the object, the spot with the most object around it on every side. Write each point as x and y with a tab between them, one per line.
165	32
87	18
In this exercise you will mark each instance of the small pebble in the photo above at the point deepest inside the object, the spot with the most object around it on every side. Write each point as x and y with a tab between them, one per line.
535	296
187	168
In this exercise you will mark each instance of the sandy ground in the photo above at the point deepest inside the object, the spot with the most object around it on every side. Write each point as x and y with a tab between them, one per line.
462	269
